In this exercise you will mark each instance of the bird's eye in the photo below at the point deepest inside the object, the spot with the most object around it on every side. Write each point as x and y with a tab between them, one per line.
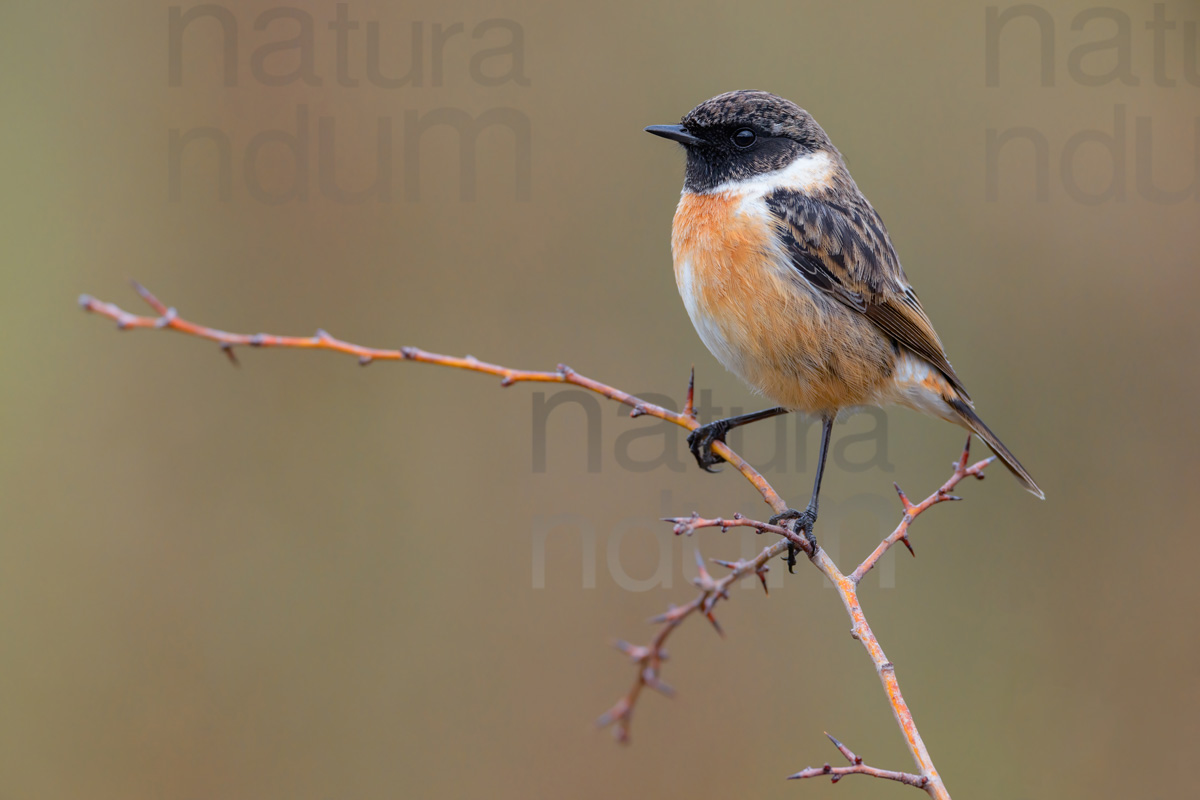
744	138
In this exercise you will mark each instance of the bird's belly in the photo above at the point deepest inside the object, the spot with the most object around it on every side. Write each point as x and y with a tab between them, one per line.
726	342
762	320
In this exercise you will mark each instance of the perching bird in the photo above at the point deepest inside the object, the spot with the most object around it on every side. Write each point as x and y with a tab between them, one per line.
791	280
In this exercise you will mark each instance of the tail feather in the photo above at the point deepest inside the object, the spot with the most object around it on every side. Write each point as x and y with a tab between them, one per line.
972	421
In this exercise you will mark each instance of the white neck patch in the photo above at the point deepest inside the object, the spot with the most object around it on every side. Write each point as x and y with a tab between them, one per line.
808	172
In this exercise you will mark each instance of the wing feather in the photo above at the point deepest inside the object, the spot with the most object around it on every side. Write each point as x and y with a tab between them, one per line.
844	250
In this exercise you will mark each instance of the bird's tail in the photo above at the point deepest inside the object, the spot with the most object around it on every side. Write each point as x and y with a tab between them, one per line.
972	422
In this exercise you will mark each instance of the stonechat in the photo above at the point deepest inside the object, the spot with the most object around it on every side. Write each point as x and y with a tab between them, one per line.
791	280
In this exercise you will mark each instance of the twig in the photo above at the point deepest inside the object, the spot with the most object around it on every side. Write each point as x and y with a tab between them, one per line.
911	512
857	767
846	586
649	658
689	525
169	319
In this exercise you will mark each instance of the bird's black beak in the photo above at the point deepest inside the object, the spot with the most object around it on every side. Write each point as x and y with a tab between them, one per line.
676	133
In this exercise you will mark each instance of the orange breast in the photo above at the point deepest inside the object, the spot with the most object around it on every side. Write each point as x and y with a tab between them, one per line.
798	347
715	225
724	258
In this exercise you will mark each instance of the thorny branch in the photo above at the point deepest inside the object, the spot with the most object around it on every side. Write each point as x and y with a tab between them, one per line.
169	319
649	657
857	767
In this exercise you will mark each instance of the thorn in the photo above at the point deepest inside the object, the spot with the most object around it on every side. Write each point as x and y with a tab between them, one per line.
638	410
618	712
689	407
726	564
908	544
322	335
908	506
408	353
715	624
150	299
507	381
227	347
951	497
845	751
700	562
85	302
565	371
762	576
364	360
666	616
631	650
654	683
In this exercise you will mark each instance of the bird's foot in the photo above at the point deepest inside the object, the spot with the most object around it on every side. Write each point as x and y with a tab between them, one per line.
700	442
801	521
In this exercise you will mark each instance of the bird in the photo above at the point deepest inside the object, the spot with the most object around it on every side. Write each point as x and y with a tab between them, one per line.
791	281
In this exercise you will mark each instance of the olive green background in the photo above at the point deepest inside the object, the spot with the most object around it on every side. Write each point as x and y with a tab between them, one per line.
304	579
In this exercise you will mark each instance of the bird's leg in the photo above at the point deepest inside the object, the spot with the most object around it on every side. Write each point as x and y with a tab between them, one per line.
807	519
700	441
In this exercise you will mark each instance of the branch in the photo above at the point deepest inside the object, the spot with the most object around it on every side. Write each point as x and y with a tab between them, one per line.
857	768
169	319
847	586
649	658
911	512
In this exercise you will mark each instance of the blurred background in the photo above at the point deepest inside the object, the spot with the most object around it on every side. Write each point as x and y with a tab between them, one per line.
304	579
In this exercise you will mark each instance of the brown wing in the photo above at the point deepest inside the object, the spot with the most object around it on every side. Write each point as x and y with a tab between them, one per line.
845	250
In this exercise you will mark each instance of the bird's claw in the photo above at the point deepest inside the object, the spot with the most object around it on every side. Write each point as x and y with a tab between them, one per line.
701	440
804	521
